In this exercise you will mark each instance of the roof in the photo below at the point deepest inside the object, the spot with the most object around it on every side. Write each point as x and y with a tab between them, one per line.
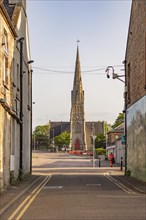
9	8
118	129
4	7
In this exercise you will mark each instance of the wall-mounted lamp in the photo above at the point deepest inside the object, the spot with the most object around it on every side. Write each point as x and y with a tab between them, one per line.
30	62
114	75
20	40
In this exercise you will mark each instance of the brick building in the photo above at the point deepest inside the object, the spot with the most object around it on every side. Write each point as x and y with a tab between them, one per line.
115	144
135	87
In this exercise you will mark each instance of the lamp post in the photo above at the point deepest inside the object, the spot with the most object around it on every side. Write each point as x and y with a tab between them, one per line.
116	76
53	138
94	137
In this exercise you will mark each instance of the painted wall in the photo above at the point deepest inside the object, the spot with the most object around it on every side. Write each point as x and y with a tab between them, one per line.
136	139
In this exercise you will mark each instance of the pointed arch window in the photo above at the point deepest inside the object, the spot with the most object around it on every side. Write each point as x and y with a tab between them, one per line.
78	128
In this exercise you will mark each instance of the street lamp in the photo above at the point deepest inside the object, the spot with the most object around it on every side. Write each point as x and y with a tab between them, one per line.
94	137
116	76
53	138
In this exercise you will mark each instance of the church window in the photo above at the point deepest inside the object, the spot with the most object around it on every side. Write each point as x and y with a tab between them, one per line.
78	128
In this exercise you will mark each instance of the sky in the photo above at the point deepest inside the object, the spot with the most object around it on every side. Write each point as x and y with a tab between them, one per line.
101	26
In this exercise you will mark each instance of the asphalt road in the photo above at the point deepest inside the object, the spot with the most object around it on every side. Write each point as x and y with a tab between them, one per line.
70	189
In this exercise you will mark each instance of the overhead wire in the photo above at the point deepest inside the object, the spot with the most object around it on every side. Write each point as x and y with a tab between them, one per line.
52	71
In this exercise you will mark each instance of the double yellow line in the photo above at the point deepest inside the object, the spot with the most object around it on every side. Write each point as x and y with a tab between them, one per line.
120	185
29	199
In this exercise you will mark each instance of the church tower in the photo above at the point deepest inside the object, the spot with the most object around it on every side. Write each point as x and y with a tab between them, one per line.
77	118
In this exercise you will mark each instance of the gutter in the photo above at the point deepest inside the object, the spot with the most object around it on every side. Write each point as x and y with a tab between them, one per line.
10	110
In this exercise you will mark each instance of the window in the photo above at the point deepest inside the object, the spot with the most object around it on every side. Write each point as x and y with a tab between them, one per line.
5	43
5	63
78	128
5	75
16	110
13	75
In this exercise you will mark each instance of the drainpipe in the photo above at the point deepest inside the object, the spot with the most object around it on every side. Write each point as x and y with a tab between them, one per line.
125	116
21	107
31	127
31	71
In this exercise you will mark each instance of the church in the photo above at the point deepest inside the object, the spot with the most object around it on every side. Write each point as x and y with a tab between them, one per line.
80	130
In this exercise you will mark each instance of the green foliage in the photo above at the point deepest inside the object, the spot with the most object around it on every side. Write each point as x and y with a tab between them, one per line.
41	136
107	127
100	141
100	151
119	120
42	130
62	140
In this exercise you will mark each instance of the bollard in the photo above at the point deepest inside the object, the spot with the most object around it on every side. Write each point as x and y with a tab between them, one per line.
99	161
121	163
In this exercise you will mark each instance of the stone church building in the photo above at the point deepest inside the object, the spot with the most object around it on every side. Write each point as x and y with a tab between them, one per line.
80	131
77	115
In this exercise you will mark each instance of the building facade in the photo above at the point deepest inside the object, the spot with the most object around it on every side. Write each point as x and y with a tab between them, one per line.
15	92
115	143
57	127
135	87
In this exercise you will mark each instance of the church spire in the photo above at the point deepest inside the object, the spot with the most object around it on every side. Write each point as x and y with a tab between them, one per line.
77	127
77	86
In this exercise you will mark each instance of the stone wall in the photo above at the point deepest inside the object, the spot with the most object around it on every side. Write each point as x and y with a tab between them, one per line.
5	97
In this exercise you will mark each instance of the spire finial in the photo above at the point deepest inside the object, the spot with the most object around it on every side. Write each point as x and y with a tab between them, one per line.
78	42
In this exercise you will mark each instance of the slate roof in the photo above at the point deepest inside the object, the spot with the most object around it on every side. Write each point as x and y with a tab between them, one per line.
118	129
61	126
9	8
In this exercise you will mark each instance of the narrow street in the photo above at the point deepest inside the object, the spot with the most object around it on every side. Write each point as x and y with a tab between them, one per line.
66	187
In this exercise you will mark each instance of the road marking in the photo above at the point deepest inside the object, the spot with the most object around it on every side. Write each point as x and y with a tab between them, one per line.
31	197
92	184
120	185
53	187
17	197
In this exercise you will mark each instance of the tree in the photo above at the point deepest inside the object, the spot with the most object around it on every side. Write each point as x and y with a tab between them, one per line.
119	120
62	140
100	151
41	136
100	141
